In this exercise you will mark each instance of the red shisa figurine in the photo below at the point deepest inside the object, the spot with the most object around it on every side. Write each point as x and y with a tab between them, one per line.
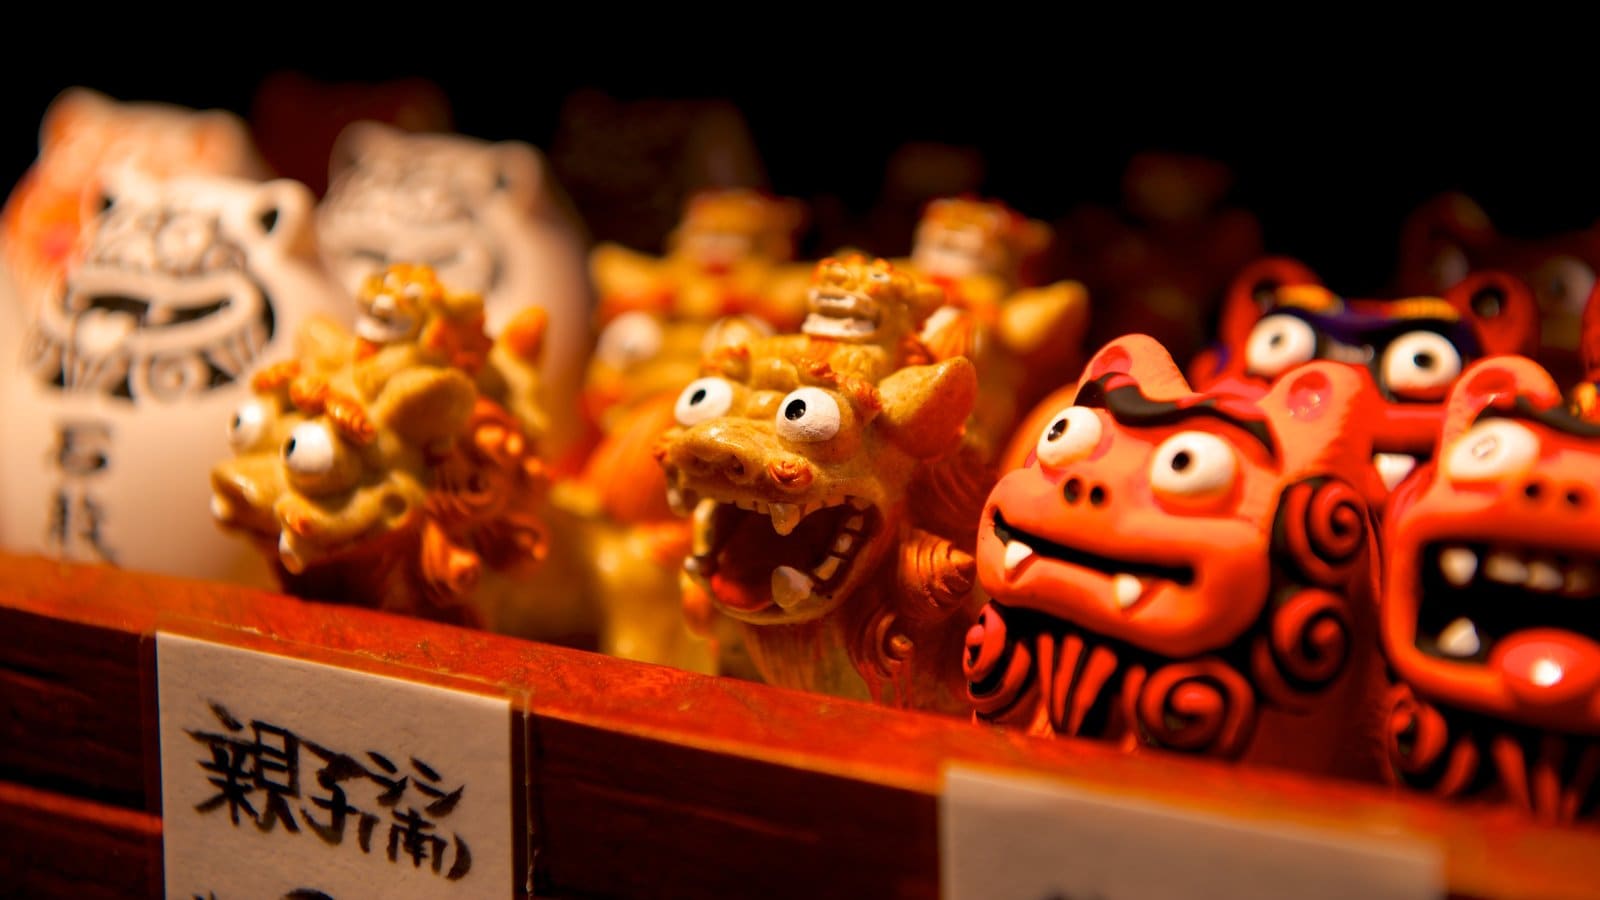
1489	585
1189	570
1451	236
1277	315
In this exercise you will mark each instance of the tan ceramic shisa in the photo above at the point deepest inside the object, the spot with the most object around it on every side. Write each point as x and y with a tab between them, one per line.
834	493
395	468
1024	339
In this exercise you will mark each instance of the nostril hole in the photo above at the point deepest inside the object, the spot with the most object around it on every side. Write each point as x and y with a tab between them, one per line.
1097	496
1533	489
1576	498
1073	490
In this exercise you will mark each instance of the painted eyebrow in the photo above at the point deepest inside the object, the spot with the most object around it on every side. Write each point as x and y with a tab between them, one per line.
1129	406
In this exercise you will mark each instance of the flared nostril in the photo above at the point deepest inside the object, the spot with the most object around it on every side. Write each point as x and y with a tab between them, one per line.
1578	497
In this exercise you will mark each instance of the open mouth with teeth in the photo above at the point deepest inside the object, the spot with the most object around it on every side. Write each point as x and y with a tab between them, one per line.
147	315
1394	467
842	315
1128	580
1475	595
753	554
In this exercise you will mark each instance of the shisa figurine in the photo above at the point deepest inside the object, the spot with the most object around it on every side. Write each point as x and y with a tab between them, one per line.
1451	236
1024	339
729	255
1278	315
84	133
391	470
181	289
488	218
833	496
1490	558
1188	570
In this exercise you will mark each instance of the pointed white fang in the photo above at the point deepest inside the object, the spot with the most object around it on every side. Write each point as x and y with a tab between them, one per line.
1459	639
1126	589
860	503
1505	568
785	516
790	586
1458	565
1543	576
844	542
855	522
292	560
1393	467
1016	553
705	512
827	568
221	509
675	500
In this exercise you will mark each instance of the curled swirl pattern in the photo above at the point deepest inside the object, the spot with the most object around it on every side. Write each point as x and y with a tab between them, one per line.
1310	636
999	667
1422	752
1200	706
1324	528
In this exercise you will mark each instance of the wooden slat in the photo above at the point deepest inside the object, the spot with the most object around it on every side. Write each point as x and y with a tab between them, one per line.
646	776
58	846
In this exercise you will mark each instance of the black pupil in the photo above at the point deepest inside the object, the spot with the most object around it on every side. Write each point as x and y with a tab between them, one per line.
794	410
1057	429
697	396
237	422
288	449
1276	340
1423	360
1181	461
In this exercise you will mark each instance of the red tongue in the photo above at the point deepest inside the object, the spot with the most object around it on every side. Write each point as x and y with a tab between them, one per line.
1548	666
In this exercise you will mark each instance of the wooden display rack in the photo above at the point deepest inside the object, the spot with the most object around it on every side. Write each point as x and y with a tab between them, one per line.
643	779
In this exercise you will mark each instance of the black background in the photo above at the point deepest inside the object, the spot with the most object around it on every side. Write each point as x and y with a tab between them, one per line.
1333	137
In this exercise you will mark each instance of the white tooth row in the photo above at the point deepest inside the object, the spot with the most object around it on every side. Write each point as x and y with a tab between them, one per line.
785	516
1460	564
1125	589
790	585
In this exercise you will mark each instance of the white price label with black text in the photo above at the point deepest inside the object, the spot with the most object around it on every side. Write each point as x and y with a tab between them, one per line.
1009	837
282	778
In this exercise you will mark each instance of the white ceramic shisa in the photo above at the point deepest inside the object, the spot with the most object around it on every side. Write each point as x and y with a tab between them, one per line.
488	218
128	373
83	133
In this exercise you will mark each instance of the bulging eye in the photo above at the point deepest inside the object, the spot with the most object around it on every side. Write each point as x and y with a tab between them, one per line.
309	450
1420	364
1071	435
1193	464
1492	450
1277	344
704	398
1564	284
808	415
630	338
249	423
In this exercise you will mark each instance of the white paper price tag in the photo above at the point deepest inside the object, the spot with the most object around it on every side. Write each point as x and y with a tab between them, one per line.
1006	837
284	778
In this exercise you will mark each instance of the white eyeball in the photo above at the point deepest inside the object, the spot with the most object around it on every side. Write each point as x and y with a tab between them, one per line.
1193	464
704	398
631	338
1071	435
249	423
808	415
1277	344
309	450
1492	450
1564	284
1420	363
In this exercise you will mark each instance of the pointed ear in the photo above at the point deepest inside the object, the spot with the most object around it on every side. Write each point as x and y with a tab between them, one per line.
1324	415
1492	379
69	111
518	173
1254	291
280	213
355	141
427	405
925	408
1501	309
1146	360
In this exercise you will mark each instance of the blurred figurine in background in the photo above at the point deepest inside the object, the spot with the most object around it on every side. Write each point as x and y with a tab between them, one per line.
297	120
1451	237
84	133
181	289
1159	266
1278	315
833	495
490	220
396	468
1024	339
1189	570
1491	575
